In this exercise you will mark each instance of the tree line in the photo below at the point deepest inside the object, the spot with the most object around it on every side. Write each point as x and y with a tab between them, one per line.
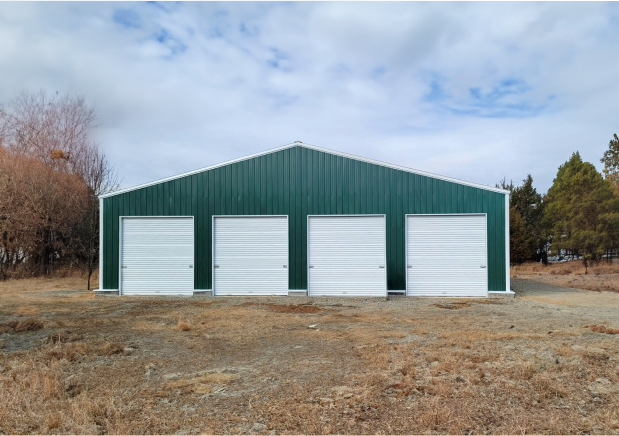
579	215
51	175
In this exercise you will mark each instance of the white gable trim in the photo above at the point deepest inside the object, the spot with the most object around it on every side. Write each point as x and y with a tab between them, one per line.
312	147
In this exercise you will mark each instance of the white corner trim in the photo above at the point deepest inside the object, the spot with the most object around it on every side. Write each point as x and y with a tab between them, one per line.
507	263
311	147
101	243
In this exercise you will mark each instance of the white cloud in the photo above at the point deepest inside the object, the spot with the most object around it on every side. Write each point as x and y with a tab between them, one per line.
477	91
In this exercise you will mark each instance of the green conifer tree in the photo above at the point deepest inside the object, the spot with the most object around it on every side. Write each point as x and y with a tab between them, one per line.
582	210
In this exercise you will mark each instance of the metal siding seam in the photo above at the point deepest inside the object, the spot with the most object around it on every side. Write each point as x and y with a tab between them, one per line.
144	201
101	259
395	268
283	186
269	182
263	186
178	198
148	200
233	191
488	207
299	217
116	224
506	231
108	230
304	174
325	198
206	240
196	211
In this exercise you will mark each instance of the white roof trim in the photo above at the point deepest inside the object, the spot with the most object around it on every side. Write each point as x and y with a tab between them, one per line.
311	147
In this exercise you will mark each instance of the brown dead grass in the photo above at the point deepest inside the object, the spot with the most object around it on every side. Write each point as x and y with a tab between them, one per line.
43	284
291	308
285	308
183	326
200	383
602	276
406	366
573	267
603	329
456	305
29	325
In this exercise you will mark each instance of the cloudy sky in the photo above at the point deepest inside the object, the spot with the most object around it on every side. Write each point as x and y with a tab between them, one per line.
477	91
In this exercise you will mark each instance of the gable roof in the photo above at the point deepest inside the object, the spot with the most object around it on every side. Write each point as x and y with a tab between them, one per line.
311	147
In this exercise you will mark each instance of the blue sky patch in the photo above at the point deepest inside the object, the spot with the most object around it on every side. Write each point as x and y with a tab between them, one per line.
127	18
176	46
507	99
279	60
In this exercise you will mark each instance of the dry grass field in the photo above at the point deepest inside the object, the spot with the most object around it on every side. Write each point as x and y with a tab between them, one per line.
603	276
544	362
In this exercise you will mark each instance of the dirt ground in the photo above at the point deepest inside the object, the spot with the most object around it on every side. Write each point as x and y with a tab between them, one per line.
73	363
601	276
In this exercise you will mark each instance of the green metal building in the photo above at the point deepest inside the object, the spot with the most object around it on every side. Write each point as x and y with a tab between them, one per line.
302	220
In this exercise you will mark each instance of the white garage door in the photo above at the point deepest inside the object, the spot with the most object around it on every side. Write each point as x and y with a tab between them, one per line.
346	256
156	256
446	255
250	255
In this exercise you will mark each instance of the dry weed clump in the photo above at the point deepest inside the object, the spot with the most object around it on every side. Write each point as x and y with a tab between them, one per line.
8	326
110	348
29	325
63	337
603	329
26	325
183	326
70	352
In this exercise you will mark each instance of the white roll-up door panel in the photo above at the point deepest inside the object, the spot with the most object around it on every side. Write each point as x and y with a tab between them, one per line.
446	255
347	256
157	256
250	255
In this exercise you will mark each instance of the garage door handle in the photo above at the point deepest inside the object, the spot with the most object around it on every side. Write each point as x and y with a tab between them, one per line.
190	266
124	266
382	266
285	266
216	266
483	266
311	266
409	266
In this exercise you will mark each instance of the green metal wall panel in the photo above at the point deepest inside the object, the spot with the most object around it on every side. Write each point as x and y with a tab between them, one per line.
296	182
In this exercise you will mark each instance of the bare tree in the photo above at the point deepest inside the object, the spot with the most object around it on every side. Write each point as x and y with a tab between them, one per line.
98	174
51	175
